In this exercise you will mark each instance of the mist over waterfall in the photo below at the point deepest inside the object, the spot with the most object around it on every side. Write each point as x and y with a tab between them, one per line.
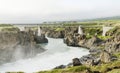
57	53
80	31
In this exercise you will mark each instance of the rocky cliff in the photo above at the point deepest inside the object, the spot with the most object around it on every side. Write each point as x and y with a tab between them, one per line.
18	45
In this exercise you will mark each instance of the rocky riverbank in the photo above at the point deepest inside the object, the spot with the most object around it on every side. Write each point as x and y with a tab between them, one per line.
104	52
17	45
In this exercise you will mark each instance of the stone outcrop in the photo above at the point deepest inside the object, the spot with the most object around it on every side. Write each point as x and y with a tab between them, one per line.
60	67
105	57
55	34
41	39
93	42
74	40
18	45
113	47
76	62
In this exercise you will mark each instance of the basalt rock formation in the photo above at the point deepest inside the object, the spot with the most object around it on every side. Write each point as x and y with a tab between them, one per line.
18	45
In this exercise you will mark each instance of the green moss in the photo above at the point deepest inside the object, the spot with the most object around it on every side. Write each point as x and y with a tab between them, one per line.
59	29
103	68
104	37
77	69
92	31
117	55
114	31
67	70
115	71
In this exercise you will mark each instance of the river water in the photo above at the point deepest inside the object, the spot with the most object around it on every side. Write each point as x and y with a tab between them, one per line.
57	53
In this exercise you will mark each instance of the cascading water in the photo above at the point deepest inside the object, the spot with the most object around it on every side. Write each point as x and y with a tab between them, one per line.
80	31
21	27
39	31
57	53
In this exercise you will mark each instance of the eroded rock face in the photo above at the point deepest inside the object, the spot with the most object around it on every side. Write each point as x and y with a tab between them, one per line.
41	39
17	45
89	60
74	39
105	57
76	62
55	34
93	42
113	45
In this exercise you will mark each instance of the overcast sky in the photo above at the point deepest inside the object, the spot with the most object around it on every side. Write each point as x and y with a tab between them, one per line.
36	11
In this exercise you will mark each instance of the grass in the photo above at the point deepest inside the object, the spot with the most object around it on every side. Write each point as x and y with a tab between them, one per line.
103	68
117	55
92	31
115	71
67	70
104	37
59	29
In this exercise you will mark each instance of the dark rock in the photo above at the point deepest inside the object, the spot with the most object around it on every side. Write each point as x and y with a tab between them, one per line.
60	67
89	60
41	39
95	51
76	62
70	65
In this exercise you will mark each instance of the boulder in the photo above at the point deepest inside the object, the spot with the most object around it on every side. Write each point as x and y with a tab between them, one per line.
76	62
60	67
89	60
41	39
105	57
113	47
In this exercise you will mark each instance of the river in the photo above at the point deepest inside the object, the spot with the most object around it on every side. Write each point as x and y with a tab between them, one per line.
57	53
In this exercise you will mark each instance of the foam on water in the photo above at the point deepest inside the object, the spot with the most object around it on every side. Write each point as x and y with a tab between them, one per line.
57	54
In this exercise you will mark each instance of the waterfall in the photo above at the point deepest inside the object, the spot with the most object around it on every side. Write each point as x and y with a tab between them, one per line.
105	29
39	31
21	27
80	31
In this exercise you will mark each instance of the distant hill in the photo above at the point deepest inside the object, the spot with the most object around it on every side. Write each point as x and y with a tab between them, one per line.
105	18
84	20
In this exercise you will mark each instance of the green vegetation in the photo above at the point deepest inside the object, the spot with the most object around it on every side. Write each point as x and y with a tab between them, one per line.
104	37
115	71
6	25
68	70
92	31
10	29
114	31
117	55
106	67
14	72
59	29
111	67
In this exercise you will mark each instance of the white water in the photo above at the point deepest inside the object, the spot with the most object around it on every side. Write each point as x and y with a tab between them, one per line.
39	31
57	54
80	31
